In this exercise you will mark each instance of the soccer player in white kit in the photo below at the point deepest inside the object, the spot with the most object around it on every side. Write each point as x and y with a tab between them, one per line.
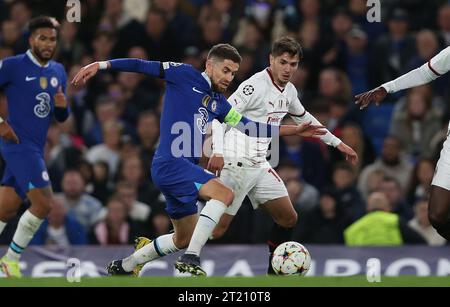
267	96
439	207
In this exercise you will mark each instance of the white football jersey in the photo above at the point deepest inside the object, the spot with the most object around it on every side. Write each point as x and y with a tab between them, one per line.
259	99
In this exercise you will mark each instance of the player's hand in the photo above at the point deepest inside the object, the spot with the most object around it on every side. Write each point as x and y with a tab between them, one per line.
60	99
86	73
350	155
215	164
7	133
377	95
310	130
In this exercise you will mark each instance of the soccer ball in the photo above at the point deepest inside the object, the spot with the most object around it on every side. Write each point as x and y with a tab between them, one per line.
291	258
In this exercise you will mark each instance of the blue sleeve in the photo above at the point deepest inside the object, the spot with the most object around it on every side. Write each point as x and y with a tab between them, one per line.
177	72
6	68
61	114
231	117
151	68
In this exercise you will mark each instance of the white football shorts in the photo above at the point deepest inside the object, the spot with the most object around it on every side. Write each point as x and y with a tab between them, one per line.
260	184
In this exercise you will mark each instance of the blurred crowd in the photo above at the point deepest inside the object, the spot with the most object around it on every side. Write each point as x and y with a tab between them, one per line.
99	160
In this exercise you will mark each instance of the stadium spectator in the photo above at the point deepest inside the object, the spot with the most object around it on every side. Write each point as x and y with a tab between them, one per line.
420	182
380	227
86	209
397	202
421	224
109	150
416	125
116	228
392	162
346	192
60	228
323	224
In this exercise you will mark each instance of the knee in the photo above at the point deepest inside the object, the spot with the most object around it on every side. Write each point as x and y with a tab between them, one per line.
41	208
437	217
227	196
288	220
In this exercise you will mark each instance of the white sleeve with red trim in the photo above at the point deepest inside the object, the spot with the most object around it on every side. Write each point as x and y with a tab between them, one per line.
300	116
434	68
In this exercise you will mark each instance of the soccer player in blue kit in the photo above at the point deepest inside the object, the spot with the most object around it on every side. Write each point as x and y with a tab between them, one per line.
34	86
192	100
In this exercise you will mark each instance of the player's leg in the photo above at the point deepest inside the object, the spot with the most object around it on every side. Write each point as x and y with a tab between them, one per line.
285	218
439	206
218	197
240	180
157	248
30	174
271	195
9	205
439	210
30	221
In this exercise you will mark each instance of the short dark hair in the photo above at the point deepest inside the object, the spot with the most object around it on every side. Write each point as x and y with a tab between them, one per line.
225	52
43	22
286	44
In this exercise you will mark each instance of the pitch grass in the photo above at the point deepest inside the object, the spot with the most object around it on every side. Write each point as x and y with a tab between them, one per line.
228	282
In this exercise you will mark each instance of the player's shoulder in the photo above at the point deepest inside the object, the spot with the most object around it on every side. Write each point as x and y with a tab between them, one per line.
179	66
16	59
291	90
253	85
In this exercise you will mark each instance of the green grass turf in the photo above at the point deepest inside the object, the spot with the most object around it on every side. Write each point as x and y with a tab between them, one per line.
259	281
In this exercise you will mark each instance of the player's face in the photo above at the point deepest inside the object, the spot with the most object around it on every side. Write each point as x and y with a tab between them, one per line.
221	73
43	43
283	67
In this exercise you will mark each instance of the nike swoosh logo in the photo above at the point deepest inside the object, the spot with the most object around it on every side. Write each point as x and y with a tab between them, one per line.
195	90
30	78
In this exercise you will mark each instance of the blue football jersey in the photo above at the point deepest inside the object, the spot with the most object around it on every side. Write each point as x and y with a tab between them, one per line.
189	106
29	89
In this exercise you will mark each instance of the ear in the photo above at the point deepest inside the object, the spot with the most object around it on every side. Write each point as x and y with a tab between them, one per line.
209	65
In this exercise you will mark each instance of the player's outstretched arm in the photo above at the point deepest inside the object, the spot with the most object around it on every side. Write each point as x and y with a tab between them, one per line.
304	129
152	68
438	65
216	162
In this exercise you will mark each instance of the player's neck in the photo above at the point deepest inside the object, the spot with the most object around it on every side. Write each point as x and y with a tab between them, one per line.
41	62
277	82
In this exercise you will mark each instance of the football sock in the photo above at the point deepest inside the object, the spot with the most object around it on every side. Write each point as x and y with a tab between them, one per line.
277	236
209	218
159	247
27	227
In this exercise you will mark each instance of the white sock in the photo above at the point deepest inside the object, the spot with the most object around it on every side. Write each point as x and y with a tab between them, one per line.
2	226
27	227
209	218
159	247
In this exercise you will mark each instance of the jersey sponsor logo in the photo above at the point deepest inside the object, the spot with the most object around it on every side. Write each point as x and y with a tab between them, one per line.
28	79
43	82
196	90
202	121
248	90
43	108
54	82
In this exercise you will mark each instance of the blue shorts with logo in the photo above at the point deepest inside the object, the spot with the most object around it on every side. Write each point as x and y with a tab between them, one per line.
25	170
180	181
